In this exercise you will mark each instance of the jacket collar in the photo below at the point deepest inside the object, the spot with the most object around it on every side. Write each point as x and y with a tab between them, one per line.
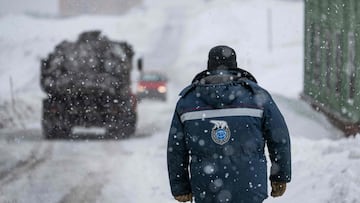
237	73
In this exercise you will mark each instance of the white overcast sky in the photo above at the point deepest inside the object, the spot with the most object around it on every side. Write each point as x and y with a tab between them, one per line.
29	6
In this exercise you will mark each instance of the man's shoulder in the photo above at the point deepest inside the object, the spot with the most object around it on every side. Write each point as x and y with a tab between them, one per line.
186	90
253	86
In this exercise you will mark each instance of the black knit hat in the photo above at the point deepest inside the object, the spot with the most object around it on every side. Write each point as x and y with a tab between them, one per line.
222	57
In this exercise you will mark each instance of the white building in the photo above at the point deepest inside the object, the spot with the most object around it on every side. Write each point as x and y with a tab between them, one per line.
100	7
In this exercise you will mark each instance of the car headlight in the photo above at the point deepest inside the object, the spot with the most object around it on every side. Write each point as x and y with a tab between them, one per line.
140	88
161	89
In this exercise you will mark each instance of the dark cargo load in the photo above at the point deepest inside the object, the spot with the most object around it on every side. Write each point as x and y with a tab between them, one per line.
88	84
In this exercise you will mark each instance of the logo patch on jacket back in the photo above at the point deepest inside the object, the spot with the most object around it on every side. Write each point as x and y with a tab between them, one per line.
220	133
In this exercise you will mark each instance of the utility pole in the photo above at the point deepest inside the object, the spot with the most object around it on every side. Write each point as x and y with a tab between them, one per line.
12	93
269	23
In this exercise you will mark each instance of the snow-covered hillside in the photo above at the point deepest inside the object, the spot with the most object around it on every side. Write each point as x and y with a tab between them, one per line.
174	36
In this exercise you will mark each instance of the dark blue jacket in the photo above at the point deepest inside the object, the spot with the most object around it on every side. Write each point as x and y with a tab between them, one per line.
219	130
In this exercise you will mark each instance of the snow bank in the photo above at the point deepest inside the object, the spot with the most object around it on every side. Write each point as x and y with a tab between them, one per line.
324	171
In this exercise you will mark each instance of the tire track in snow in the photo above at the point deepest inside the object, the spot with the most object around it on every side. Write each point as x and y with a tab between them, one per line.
89	189
36	158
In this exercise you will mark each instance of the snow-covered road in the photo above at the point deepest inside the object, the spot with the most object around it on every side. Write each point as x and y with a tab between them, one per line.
134	170
66	171
176	35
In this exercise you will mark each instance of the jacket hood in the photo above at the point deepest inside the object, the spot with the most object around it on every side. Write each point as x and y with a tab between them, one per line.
221	88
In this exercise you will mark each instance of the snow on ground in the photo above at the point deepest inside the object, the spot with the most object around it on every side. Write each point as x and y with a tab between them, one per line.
325	165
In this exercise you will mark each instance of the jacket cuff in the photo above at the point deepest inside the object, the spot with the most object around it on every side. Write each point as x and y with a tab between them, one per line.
280	178
182	189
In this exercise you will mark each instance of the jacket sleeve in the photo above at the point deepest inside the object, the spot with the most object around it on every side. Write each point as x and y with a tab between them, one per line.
278	142
178	158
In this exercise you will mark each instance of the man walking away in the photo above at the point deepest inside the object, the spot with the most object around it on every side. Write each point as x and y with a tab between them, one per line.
220	127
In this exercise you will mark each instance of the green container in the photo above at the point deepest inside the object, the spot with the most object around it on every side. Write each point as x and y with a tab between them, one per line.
332	58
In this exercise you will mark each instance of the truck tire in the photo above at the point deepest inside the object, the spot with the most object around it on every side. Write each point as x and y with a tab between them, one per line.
55	132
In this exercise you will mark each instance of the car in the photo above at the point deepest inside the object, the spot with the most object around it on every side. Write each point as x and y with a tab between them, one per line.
152	85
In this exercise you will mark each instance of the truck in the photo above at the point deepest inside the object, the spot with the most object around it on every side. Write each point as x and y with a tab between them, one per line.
88	84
